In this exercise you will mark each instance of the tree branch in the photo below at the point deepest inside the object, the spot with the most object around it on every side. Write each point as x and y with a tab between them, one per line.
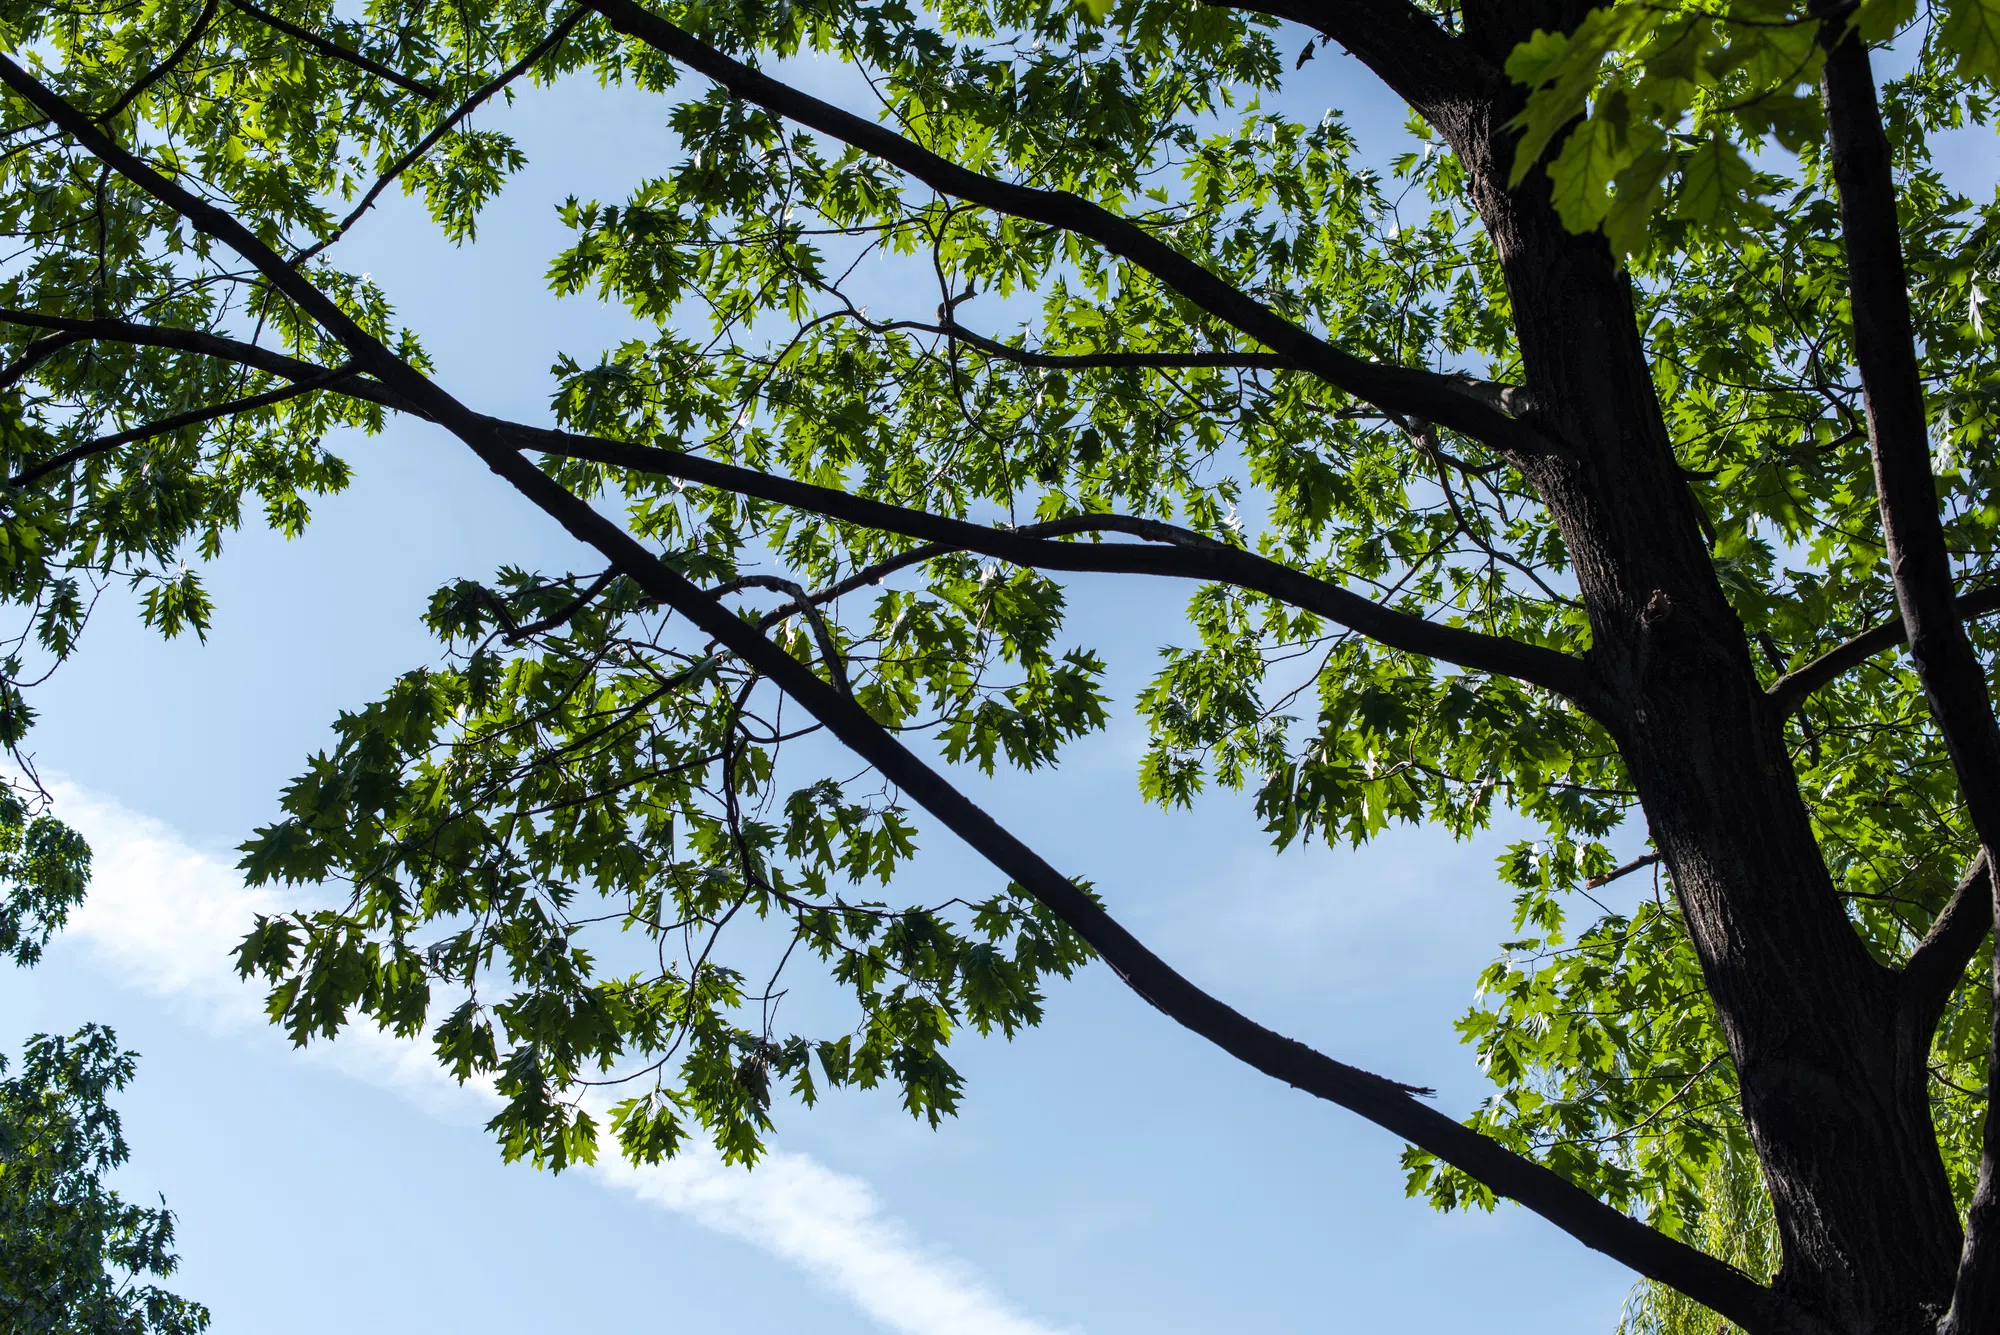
34	354
1105	361
1494	420
1789	691
1385	1102
201	343
808	606
1885	351
1389	1104
193	417
515	634
159	71
1935	967
1491	392
1405	48
1639	863
479	97
326	46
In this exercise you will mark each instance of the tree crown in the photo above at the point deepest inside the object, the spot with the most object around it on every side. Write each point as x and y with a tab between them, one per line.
1069	293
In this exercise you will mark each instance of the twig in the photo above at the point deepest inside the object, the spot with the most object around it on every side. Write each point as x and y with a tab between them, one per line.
471	104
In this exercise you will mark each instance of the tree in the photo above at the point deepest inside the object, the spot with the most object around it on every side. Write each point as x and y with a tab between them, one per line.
74	1255
1587	465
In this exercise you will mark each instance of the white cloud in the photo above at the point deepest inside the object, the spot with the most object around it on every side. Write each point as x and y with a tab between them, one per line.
163	917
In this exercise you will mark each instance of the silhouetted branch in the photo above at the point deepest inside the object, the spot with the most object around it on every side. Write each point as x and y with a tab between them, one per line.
166	425
160	71
479	97
1180	553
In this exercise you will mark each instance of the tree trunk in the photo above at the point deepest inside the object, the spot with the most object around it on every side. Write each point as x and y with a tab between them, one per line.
1837	1103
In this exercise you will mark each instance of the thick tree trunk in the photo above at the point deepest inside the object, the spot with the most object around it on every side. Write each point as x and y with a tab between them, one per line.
1836	1103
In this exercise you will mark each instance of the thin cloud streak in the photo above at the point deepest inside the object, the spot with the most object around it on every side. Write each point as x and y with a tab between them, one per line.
163	917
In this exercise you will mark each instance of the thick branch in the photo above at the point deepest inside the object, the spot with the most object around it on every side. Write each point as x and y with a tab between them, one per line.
1789	691
1390	1105
1935	967
1454	402
1885	351
204	344
328	47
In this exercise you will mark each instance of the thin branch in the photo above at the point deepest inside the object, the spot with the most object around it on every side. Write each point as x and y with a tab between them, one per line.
1627	1133
514	634
1636	864
166	425
865	576
326	46
160	71
808	606
1388	1103
1108	361
34	354
1788	692
1468	406
479	98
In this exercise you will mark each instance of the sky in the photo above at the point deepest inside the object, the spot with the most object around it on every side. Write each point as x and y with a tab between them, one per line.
1109	1173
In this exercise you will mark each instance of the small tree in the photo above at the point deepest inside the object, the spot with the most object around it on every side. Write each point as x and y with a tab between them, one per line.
1587	465
74	1256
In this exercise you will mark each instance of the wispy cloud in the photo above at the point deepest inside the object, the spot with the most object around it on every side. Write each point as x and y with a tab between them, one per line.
163	916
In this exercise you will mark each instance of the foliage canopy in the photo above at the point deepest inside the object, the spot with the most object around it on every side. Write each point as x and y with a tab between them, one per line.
1080	291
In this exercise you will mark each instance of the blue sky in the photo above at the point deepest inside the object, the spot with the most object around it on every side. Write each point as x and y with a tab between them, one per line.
1110	1172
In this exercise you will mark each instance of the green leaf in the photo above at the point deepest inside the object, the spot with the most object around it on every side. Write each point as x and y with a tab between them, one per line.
1716	183
1971	33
